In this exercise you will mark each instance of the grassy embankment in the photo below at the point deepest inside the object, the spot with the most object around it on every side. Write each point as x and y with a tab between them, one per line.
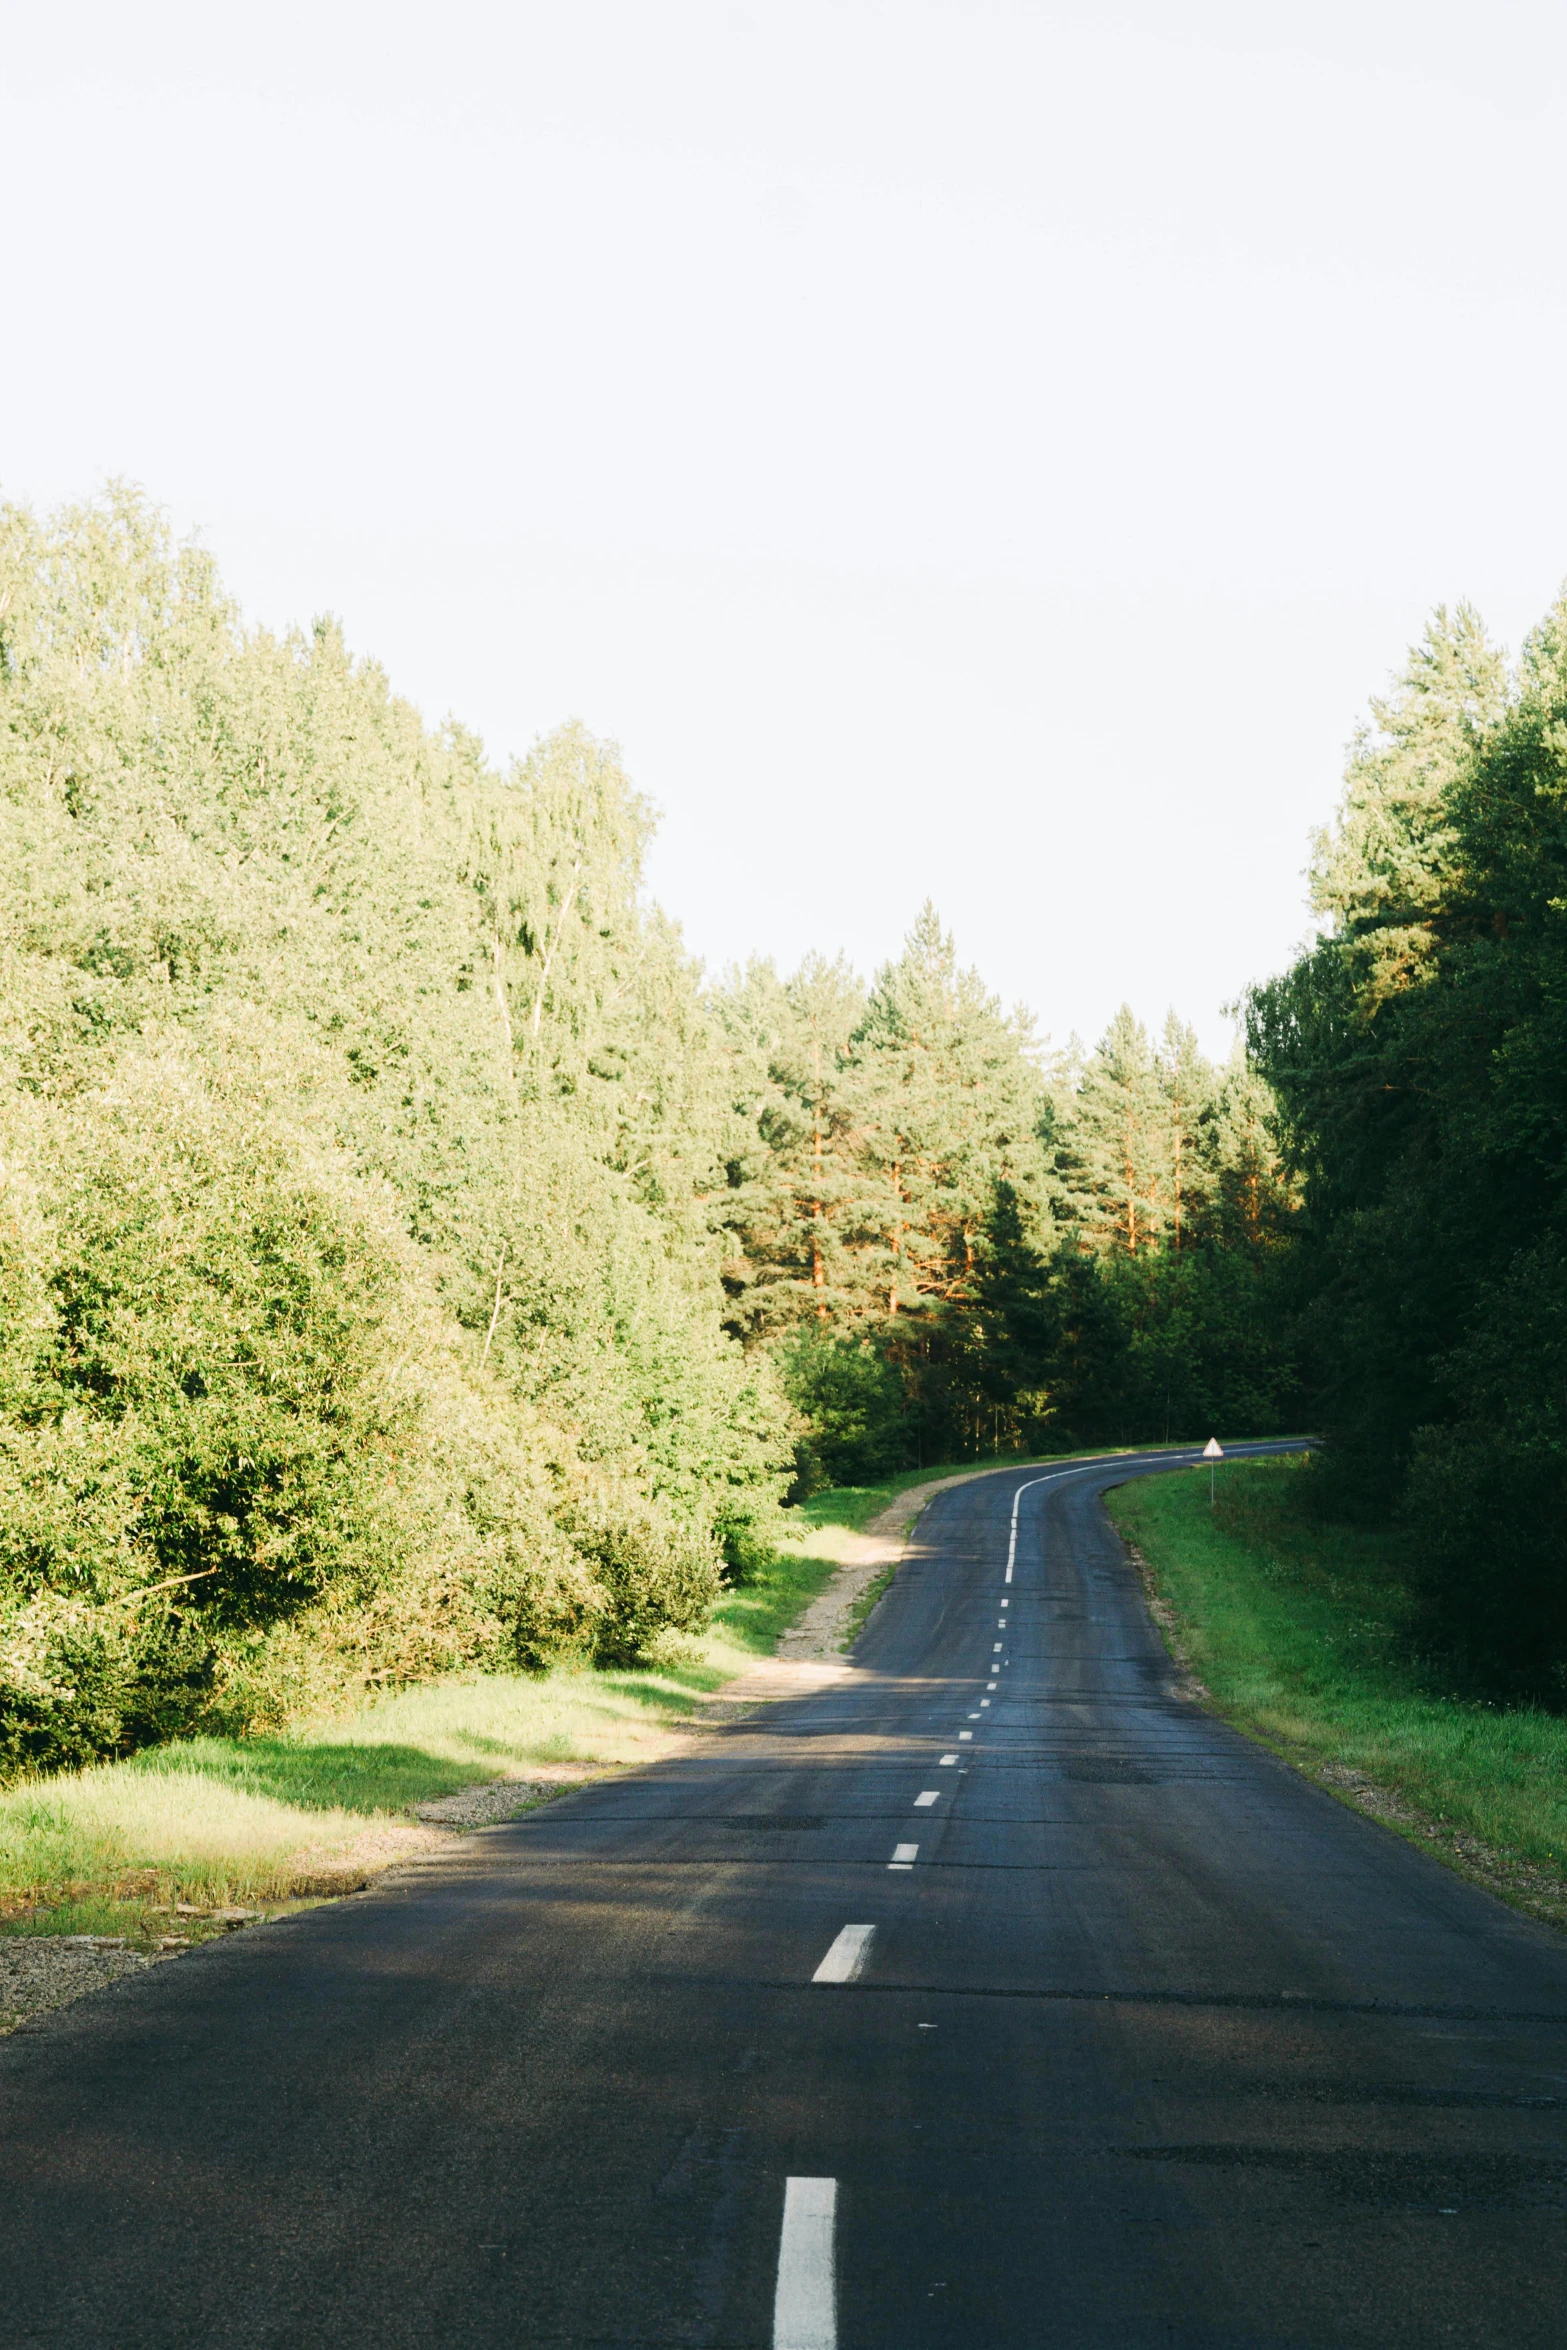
1304	1636
215	1821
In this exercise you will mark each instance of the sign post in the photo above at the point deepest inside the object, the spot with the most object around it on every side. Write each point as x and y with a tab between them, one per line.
1212	1451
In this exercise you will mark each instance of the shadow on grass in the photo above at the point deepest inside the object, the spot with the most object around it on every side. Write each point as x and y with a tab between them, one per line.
375	1776
320	1777
755	1612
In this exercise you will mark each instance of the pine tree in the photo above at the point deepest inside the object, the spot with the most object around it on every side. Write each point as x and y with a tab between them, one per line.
1186	1081
950	1100
792	1169
1121	1136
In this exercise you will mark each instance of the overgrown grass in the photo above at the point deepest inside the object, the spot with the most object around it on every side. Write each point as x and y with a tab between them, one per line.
1306	1637
219	1821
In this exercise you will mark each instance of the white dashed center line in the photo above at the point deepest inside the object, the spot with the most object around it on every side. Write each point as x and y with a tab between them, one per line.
965	1734
847	1955
996	1649
930	1796
984	1701
991	1684
805	2311
948	1758
1009	1574
903	1856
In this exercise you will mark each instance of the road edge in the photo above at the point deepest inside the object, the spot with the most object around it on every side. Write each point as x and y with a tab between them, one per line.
1517	1883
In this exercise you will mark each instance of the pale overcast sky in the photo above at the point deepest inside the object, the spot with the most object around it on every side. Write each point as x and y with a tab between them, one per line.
982	451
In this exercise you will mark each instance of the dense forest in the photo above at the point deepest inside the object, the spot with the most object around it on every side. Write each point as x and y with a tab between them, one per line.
1418	1054
409	1260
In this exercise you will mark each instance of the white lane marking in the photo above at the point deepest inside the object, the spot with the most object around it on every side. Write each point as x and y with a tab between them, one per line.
949	1758
805	2311
930	1796
903	1856
847	1955
973	1717
1006	1603
965	1734
1001	1623
984	1701
1026	1487
990	1684
996	1650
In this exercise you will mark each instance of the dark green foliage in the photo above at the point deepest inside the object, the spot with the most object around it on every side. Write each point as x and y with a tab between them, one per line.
851	1397
1487	1483
651	1582
118	1685
1419	1053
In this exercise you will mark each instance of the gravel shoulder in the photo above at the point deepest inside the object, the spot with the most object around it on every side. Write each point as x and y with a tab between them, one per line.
42	1972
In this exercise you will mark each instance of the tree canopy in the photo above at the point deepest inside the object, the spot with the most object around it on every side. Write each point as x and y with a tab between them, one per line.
409	1262
1418	1053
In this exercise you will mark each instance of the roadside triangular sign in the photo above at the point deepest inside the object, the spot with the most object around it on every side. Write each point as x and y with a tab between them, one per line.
1213	1450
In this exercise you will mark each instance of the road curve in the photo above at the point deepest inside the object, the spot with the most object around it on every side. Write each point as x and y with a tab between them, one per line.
1153	2044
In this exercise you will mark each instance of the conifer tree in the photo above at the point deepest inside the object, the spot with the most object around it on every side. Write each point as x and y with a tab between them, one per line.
793	1180
1186	1082
1122	1137
950	1100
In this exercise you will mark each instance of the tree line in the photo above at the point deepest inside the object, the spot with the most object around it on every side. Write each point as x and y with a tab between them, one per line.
954	1243
410	1262
1418	1055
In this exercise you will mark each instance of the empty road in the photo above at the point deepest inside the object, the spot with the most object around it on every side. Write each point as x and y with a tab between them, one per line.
992	1999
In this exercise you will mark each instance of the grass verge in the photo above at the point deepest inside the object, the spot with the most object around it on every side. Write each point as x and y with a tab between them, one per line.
221	1822
1303	1636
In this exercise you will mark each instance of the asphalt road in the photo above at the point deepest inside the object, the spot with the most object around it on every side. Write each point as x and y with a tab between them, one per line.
1152	2044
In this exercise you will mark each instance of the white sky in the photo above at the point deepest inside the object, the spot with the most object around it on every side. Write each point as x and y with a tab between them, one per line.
989	451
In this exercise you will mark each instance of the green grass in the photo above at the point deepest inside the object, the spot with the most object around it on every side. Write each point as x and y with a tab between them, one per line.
250	1820
1305	1636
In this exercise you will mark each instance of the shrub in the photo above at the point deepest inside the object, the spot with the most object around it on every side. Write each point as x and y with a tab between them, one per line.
851	1401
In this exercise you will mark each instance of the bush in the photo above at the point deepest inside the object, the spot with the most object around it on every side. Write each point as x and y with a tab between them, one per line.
243	1464
851	1400
654	1582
